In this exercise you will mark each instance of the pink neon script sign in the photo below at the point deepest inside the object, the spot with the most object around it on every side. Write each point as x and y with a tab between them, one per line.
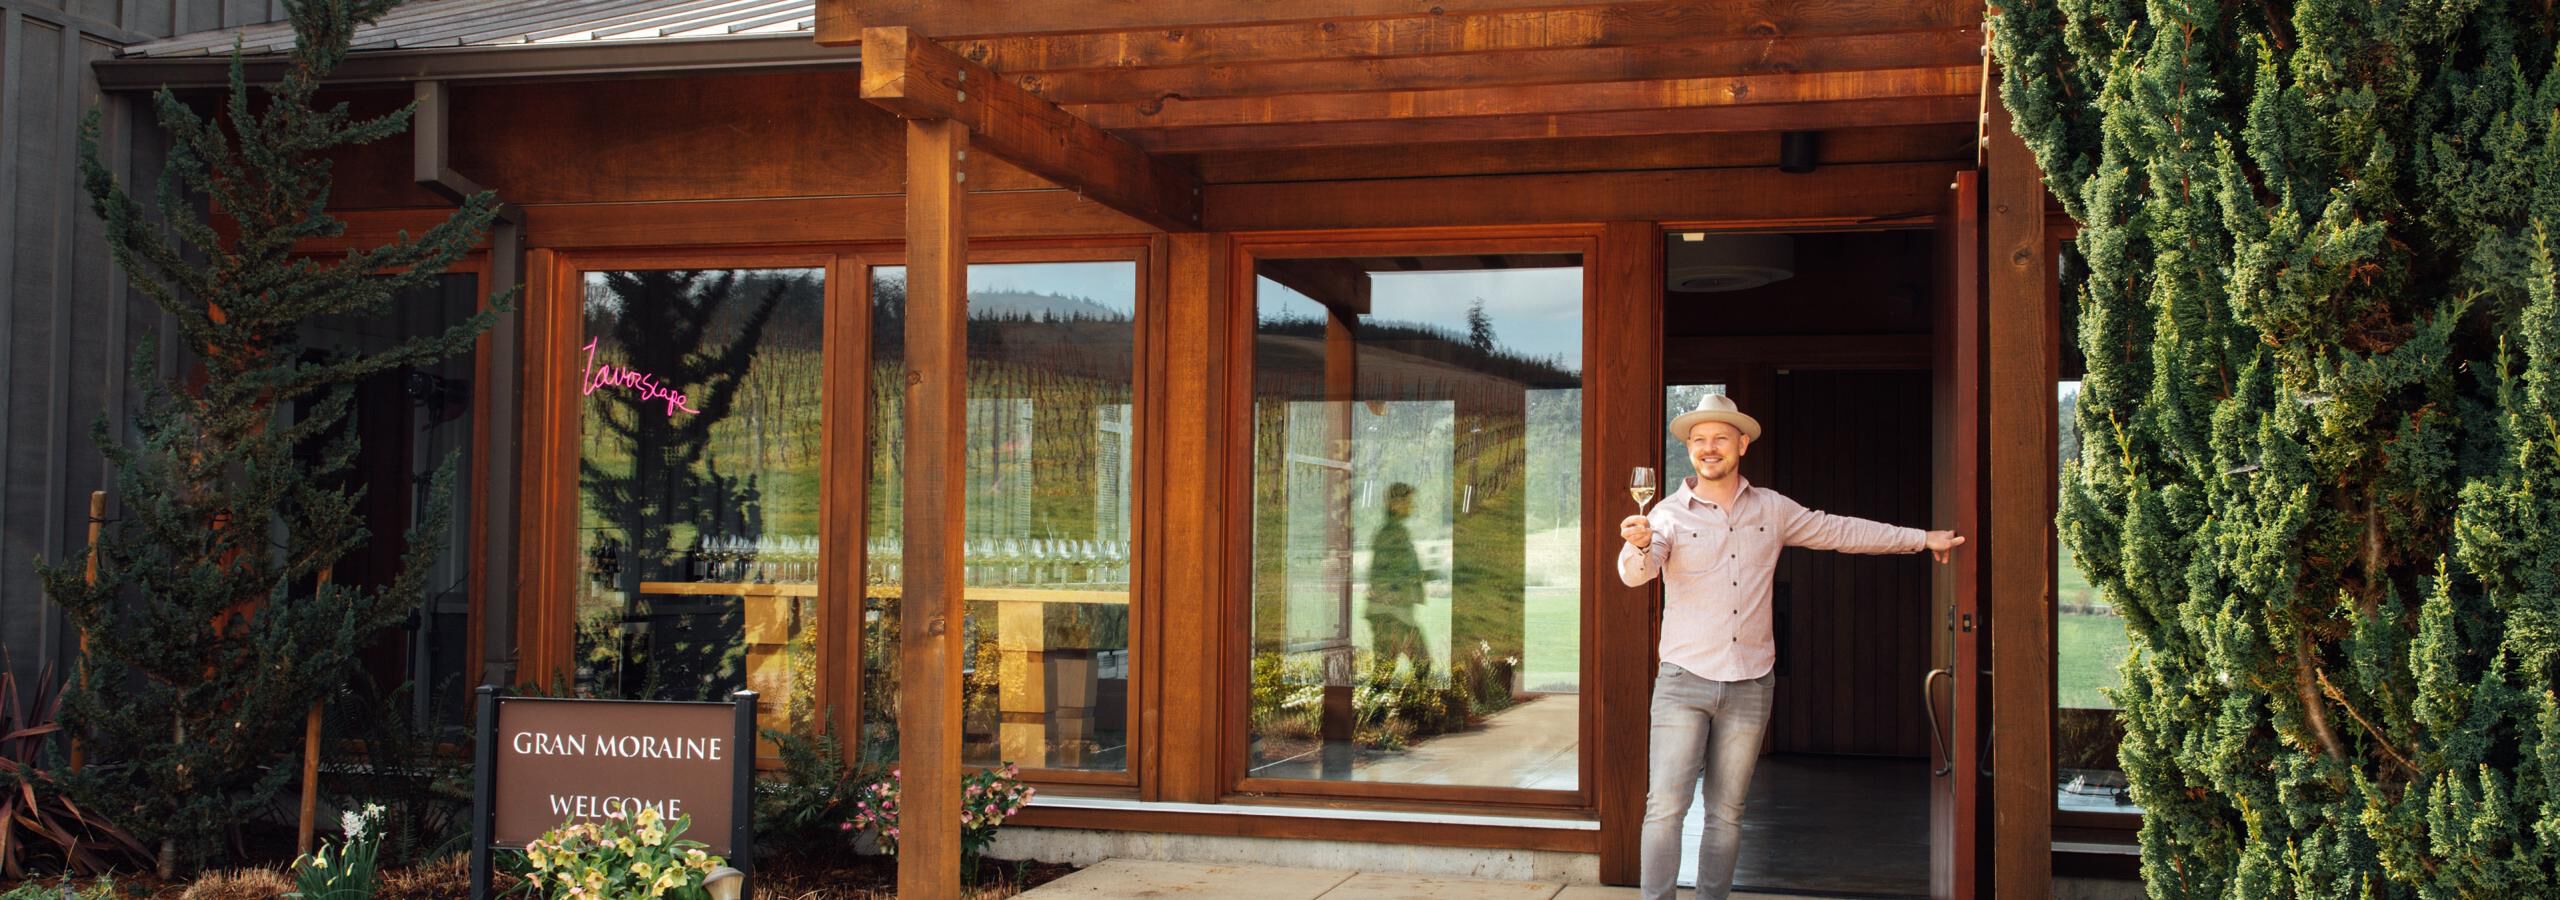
631	380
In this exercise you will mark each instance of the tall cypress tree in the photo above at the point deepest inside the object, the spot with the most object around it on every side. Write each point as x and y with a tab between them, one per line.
2319	469
210	628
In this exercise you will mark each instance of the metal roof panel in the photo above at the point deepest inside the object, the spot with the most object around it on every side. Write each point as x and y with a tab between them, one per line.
501	23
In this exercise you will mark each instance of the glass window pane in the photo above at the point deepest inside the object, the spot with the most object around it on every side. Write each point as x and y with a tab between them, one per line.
698	478
410	422
2089	651
1045	681
1417	478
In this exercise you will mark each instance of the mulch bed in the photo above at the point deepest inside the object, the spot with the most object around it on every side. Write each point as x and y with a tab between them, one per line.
848	878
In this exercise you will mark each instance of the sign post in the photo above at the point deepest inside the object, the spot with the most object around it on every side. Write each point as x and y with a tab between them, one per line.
484	789
742	795
542	762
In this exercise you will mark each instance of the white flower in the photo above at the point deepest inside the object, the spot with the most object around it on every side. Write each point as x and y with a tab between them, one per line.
356	823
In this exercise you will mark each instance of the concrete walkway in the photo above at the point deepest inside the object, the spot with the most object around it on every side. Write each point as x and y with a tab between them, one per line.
1114	879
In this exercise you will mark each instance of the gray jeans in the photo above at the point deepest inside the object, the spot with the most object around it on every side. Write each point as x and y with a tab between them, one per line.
1700	727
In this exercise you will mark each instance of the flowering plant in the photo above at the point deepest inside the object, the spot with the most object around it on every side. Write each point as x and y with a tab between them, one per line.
619	856
987	798
349	874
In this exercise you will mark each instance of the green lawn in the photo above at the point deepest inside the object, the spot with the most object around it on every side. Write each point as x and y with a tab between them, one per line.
1553	643
2088	649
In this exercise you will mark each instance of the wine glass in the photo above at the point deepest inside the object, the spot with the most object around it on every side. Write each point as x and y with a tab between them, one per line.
1642	486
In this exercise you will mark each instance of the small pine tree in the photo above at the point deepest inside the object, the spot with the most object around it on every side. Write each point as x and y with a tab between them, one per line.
2319	466
211	628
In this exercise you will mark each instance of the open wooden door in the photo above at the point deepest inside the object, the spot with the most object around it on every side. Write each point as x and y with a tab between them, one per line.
1954	688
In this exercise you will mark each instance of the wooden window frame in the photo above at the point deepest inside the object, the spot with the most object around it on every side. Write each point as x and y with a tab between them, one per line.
2059	230
1584	241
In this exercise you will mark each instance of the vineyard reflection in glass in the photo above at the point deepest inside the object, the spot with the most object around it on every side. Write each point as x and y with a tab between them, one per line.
698	474
1417	517
1048	548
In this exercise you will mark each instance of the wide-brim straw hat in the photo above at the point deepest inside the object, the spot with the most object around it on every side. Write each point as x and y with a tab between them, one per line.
1714	408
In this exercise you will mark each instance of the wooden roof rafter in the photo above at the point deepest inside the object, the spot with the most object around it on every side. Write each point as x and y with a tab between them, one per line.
1771	117
1685	93
1719	58
840	19
1529	26
914	77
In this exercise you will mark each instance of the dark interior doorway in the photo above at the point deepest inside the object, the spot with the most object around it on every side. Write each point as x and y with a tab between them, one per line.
1825	338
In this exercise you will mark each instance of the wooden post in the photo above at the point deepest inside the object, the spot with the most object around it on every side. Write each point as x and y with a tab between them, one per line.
742	792
1622	429
311	766
484	789
2021	410
310	779
97	518
929	643
1193	417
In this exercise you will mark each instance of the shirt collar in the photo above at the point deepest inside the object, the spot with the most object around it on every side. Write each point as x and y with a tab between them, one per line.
1688	491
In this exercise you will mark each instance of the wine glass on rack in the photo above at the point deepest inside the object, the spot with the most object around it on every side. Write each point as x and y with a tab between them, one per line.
1642	485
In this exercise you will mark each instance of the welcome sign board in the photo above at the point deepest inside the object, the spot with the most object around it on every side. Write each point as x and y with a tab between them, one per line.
544	762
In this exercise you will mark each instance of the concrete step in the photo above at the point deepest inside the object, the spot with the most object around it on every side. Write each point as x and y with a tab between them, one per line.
1127	879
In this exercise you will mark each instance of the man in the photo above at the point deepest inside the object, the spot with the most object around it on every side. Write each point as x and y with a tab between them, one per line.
1395	588
1715	543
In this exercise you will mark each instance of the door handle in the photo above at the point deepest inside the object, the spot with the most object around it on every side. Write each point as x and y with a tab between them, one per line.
1937	735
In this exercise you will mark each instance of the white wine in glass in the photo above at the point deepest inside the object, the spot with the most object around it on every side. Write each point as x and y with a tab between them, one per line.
1641	486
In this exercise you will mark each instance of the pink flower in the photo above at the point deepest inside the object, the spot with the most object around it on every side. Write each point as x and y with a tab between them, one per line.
844	826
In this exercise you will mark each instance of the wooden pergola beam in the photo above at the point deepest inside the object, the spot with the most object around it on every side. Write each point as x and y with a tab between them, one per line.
1275	39
1614	123
1570	65
952	18
1853	195
1948	141
916	78
1550	99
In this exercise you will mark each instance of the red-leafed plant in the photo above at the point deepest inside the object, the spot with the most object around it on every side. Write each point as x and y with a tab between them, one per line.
38	819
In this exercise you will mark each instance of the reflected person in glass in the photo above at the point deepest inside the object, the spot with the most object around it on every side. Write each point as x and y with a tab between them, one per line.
1715	543
1395	588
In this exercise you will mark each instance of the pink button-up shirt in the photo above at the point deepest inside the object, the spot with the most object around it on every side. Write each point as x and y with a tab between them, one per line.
1717	564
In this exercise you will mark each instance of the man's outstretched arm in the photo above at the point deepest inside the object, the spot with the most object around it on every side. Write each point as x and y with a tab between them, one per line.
1818	530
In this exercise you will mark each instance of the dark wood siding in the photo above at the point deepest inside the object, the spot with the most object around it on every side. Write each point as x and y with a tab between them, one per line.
1855	641
68	323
